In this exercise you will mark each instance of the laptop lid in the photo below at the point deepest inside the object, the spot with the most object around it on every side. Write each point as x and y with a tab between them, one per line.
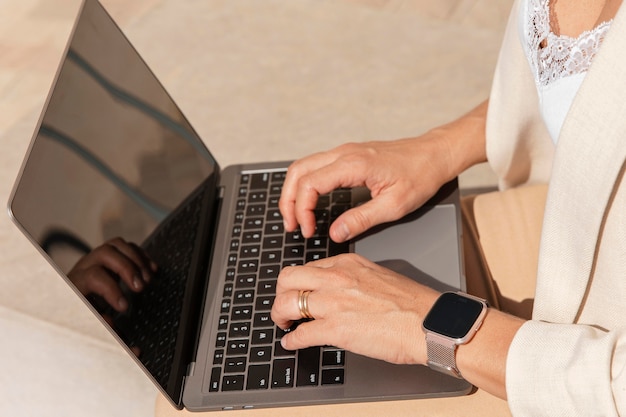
112	157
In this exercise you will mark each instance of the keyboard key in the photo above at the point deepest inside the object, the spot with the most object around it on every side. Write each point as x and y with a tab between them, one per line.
263	319
250	251
294	237
247	266
214	385
332	376
244	296
253	223
220	340
239	330
314	256
269	271
273	215
245	281
258	377
251	237
279	176
338	248
317	243
237	347
257	197
232	383
267	287
274	229
273	242
259	181
255	210
262	336
276	189
279	350
295	251
269	257
225	306
230	274
218	357
308	367
342	196
241	313
235	365
228	290
264	303
333	358
260	354
283	373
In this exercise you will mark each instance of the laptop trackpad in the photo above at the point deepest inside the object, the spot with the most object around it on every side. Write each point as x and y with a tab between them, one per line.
424	246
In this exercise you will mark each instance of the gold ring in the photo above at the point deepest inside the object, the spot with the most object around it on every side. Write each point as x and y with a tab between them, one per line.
303	304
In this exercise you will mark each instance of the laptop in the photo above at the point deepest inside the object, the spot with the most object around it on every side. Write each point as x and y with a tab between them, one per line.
113	157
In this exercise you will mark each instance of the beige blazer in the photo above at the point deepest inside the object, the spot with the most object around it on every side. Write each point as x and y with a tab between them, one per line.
571	358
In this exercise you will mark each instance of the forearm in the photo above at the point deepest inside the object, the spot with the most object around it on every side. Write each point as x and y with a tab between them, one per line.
464	140
483	360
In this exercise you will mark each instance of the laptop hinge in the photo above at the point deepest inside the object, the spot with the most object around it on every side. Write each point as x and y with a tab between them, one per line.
191	368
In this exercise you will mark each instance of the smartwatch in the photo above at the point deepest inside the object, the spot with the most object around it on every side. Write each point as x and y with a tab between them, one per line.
452	320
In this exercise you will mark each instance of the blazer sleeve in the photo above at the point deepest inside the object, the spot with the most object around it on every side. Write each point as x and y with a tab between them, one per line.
567	370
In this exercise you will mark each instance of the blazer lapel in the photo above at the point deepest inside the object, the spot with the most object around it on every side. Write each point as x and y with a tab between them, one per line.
588	161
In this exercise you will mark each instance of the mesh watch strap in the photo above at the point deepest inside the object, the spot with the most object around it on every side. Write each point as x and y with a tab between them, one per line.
442	354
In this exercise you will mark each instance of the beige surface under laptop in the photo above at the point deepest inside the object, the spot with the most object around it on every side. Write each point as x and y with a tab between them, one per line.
478	404
277	78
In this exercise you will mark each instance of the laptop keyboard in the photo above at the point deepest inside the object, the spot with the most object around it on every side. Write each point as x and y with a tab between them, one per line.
248	354
152	322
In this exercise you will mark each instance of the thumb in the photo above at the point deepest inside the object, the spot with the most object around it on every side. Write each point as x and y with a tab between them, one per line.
359	219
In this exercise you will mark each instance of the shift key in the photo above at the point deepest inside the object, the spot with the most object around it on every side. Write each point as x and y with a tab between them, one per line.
308	367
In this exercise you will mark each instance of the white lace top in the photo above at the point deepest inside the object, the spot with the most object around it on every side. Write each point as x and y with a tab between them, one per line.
560	67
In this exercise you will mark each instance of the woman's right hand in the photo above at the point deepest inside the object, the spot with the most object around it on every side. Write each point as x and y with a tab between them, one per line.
401	175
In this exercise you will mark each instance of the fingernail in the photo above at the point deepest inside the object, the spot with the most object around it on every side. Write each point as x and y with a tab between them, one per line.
122	304
341	232
137	283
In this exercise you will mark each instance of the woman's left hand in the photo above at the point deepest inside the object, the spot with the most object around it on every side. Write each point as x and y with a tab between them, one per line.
357	305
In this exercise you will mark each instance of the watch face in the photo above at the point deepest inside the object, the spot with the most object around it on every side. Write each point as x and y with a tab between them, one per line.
453	315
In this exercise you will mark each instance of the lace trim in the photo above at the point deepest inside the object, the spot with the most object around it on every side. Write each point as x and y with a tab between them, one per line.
562	56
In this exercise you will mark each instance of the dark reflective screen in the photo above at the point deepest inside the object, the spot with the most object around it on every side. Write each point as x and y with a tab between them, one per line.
112	159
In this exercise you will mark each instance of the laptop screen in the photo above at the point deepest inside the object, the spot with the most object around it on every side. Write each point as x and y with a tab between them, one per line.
112	158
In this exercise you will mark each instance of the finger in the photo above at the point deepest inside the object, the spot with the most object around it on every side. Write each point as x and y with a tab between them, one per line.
117	262
285	309
136	255
339	174
381	209
97	280
301	277
311	333
296	171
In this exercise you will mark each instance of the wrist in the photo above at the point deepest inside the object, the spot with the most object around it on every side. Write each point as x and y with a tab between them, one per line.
463	141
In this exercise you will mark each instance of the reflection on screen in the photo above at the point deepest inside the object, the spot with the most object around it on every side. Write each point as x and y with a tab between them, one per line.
112	160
